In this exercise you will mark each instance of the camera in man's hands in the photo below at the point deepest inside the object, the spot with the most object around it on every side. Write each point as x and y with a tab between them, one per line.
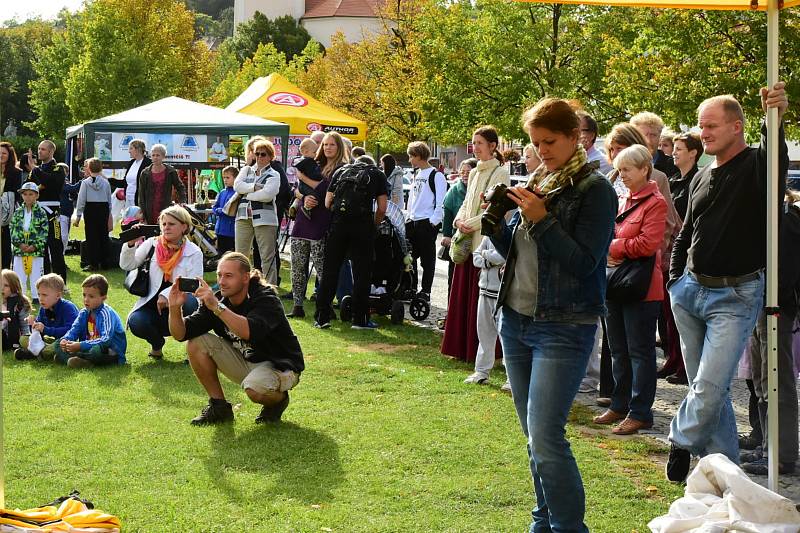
188	284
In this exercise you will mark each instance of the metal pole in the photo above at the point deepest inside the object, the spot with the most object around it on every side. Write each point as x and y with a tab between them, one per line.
772	248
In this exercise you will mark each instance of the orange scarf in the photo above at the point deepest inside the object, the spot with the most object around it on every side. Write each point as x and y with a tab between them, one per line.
168	255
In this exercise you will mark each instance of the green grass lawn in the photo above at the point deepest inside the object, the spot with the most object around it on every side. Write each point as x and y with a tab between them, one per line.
380	435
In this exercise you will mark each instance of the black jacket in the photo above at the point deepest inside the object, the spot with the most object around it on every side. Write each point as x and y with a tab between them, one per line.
144	190
679	189
664	163
123	183
789	260
50	180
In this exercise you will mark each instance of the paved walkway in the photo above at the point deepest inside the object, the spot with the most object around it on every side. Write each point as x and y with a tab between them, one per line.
668	397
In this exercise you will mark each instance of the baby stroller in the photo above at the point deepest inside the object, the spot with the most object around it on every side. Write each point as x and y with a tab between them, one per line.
203	236
391	281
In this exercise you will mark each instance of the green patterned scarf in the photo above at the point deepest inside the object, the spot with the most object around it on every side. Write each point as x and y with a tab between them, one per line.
549	182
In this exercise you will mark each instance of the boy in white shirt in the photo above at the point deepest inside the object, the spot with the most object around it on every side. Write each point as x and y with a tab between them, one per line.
425	213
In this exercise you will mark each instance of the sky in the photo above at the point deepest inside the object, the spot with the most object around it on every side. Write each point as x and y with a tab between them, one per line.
24	9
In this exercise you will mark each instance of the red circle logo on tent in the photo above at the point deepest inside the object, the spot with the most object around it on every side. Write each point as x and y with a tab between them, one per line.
314	126
290	99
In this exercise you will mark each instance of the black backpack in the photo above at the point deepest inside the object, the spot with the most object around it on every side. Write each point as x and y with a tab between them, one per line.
284	197
352	198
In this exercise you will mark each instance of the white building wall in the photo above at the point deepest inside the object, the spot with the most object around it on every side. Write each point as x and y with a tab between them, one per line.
353	28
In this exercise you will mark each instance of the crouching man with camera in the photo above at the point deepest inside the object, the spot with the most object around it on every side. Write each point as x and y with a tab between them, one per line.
252	344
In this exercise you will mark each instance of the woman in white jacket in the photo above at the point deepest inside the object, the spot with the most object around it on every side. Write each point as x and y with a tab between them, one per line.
171	256
256	216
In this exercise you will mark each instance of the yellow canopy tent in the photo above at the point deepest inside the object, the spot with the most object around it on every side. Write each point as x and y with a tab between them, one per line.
772	7
276	98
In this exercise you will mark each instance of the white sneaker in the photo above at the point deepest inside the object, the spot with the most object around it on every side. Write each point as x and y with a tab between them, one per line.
506	387
477	379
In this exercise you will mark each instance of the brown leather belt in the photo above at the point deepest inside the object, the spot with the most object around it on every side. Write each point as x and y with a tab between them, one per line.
714	282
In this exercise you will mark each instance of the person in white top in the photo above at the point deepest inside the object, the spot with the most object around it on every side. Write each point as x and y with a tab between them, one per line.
425	213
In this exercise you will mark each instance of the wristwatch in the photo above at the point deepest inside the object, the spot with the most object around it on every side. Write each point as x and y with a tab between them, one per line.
220	308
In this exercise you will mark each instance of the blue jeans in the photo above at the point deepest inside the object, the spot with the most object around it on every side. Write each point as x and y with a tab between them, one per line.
146	322
714	325
545	363
632	339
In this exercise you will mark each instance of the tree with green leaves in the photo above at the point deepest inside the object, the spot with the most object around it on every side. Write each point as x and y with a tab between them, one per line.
264	62
116	55
284	33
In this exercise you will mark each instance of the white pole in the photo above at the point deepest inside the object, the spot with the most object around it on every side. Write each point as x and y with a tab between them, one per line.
772	248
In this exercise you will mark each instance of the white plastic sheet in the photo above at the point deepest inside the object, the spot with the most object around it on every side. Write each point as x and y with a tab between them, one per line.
721	498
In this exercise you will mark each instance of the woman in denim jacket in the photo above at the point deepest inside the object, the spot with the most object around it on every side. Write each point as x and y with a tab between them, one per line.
553	292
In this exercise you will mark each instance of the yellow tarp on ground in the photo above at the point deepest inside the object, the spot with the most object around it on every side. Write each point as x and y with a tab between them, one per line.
276	98
679	4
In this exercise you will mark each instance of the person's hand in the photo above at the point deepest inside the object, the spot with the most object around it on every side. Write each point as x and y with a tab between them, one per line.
132	242
310	202
464	228
77	222
775	98
206	296
484	203
30	320
445	241
611	262
38	326
176	297
531	206
162	303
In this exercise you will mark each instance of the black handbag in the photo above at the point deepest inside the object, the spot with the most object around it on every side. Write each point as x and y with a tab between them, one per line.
629	281
139	285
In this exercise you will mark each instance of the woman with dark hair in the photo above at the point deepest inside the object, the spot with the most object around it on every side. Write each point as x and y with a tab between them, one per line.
552	293
687	149
311	225
394	179
452	204
461	330
9	200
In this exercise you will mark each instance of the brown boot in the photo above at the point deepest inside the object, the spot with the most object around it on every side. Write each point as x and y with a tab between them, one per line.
609	417
629	426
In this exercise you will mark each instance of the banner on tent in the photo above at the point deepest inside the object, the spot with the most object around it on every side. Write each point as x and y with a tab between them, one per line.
181	148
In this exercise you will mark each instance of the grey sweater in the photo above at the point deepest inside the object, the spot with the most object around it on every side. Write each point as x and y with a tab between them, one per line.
93	189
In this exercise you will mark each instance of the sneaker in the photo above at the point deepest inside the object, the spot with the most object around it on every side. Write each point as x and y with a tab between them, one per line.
678	379
21	354
760	467
678	464
370	325
79	362
506	386
215	412
477	379
749	442
272	413
322	325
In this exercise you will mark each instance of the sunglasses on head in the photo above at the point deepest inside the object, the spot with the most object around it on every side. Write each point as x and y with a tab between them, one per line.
261	154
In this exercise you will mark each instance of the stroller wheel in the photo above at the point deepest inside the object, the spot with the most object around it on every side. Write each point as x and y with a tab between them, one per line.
398	312
419	309
346	309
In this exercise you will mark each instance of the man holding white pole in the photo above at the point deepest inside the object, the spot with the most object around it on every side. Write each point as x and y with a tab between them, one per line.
717	274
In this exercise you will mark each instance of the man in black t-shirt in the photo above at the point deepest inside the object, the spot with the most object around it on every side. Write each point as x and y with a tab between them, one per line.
353	191
51	178
252	344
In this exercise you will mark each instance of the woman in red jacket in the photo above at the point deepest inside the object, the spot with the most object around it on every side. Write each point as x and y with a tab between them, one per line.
639	233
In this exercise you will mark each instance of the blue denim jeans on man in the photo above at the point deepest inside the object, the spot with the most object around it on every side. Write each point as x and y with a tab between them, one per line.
714	325
632	339
546	362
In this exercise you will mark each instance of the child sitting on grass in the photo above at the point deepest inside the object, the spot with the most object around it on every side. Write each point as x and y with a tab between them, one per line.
29	227
309	174
18	307
224	227
54	320
97	337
